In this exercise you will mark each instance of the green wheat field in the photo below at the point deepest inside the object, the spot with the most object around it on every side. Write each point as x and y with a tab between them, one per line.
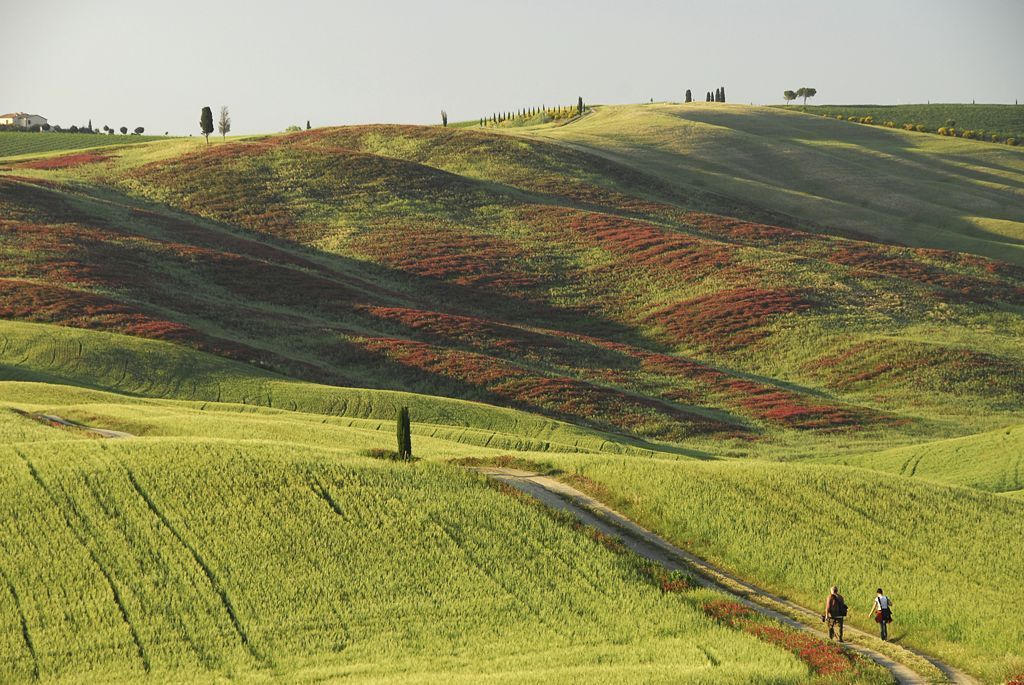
787	343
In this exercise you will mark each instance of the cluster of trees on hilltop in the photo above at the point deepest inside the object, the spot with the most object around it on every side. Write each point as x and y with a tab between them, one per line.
223	122
717	96
805	92
531	115
57	128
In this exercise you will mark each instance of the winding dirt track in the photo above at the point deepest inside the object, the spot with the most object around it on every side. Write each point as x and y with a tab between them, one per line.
102	432
589	511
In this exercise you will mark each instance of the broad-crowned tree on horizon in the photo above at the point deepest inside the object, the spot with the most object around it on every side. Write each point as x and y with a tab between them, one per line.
206	123
788	95
806	92
224	123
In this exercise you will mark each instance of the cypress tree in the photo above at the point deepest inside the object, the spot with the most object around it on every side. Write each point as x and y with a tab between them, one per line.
723	93
206	123
404	434
579	105
689	95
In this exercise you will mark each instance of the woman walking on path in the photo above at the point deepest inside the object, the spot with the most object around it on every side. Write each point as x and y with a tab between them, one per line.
882	611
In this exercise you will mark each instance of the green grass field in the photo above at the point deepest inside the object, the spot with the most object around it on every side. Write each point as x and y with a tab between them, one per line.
988	461
153	557
17	143
823	174
1006	121
673	305
798	529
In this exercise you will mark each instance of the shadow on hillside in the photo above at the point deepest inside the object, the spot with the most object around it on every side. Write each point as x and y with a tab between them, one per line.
302	335
863	178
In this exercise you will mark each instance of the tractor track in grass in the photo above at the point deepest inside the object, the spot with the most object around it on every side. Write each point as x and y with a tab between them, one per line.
560	496
53	419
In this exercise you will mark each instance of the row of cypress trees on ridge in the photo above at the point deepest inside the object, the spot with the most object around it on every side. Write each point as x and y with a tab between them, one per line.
542	113
545	113
717	96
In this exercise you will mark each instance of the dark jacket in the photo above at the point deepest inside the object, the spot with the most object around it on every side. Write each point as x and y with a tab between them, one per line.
832	605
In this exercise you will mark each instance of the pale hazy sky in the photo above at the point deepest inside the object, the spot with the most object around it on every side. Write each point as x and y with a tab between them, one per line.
155	64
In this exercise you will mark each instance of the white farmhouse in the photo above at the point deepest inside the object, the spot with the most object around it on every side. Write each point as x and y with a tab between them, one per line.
22	120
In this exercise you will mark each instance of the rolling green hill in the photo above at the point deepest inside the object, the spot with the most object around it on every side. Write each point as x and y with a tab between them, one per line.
825	175
654	300
991	461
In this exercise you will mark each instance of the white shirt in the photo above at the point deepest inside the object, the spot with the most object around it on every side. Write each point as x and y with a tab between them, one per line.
881	602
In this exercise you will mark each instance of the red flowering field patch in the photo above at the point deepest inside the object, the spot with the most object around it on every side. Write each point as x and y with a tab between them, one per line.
823	658
729	319
768	403
472	260
53	304
673	256
565	397
963	277
482	334
924	366
747	232
899	263
29	199
64	161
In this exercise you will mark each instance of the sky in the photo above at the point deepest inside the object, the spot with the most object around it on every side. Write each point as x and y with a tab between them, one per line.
275	64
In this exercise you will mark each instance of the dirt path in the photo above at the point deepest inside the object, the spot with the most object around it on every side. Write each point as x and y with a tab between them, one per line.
589	511
102	432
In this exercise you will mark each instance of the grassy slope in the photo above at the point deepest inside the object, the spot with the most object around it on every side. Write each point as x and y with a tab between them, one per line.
530	243
154	369
908	188
989	461
799	529
1006	121
19	144
153	556
552	284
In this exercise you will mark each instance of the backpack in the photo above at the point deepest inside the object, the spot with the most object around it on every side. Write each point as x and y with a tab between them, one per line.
838	607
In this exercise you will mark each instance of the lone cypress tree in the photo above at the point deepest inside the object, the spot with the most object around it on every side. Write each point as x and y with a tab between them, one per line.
206	123
404	434
308	127
579	105
709	96
689	95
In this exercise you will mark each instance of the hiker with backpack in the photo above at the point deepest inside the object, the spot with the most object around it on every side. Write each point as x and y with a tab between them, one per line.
835	613
882	611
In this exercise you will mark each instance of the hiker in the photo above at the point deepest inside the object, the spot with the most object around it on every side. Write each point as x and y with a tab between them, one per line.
835	613
882	611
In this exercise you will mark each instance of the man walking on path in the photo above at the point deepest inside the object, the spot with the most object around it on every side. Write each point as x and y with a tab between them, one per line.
835	613
882	611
